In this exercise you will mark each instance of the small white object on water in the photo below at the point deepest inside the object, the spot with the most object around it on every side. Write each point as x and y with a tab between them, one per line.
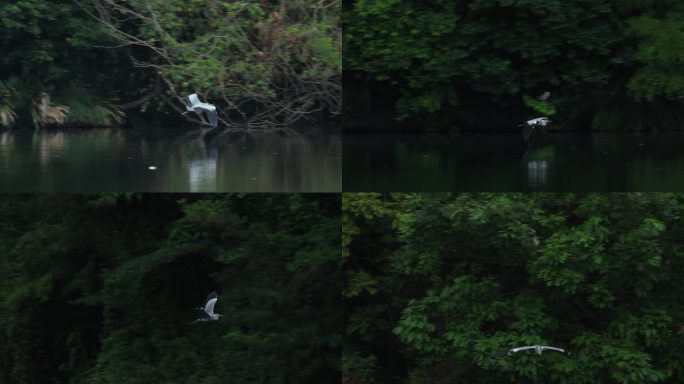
151	167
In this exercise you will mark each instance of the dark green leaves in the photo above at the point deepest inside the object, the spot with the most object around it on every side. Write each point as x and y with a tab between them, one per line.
457	279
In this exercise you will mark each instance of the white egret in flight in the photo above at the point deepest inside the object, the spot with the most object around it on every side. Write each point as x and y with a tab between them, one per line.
530	125
193	104
538	349
207	313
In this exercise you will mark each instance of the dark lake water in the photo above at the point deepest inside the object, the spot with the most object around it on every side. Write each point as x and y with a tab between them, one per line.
502	162
113	160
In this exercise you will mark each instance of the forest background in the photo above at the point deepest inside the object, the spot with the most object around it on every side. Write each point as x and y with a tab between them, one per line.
438	64
439	285
106	62
103	288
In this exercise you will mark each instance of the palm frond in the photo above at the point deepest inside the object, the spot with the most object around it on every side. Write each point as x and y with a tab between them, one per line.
85	107
7	114
73	104
45	112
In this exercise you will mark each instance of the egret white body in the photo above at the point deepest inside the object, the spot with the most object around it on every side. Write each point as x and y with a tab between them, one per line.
193	104
207	312
530	125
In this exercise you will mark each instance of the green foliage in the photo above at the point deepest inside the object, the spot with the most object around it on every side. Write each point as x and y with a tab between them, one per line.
661	52
543	107
368	206
90	300
458	278
263	61
48	47
432	51
358	369
87	107
446	61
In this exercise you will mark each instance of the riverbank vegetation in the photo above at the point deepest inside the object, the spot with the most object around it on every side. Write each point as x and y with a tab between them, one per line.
435	64
438	285
103	62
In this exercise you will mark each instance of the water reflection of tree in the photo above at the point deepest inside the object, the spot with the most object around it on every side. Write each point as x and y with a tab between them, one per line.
48	145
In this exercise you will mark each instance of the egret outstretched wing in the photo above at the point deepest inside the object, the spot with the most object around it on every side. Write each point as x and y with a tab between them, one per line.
194	99
523	348
211	302
211	295
555	349
211	115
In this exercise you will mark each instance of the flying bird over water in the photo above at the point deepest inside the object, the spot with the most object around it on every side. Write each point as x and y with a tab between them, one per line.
530	125
207	312
193	104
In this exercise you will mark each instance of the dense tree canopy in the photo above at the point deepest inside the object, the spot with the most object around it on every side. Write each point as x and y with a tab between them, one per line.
94	62
437	284
442	60
101	289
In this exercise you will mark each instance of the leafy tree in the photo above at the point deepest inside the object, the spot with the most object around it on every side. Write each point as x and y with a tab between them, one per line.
101	289
265	61
440	283
87	62
442	61
661	52
49	67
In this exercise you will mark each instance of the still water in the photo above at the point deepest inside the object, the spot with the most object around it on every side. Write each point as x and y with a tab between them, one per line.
165	160
503	162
